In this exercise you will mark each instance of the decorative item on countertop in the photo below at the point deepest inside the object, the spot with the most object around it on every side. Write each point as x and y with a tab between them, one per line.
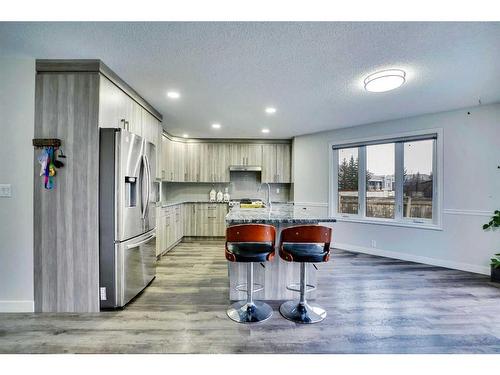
220	196
226	195
212	195
495	262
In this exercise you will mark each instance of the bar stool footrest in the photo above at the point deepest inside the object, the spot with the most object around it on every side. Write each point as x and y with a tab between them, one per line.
295	287
242	287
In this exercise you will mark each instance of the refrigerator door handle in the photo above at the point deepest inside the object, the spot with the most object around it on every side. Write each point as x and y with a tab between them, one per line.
148	169
131	246
144	202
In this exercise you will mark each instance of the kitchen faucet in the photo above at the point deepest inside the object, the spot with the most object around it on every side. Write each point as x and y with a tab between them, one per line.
268	203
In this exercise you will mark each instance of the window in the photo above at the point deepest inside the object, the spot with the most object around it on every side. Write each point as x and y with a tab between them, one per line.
380	182
418	179
389	180
348	181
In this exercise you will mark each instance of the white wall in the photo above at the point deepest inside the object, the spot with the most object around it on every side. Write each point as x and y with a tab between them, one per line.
17	93
471	190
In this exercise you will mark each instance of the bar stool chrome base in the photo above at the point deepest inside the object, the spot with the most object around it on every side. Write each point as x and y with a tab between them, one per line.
302	312
245	312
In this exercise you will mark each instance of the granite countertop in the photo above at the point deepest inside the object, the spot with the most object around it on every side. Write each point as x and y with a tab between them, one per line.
175	203
278	214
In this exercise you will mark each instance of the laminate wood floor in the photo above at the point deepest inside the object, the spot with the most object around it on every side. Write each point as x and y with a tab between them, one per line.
374	304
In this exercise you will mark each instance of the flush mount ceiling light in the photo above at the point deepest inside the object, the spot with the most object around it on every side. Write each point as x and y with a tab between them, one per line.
385	80
216	125
185	135
173	95
270	110
265	131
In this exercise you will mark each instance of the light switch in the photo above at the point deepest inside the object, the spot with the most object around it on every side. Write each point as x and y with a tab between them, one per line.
5	190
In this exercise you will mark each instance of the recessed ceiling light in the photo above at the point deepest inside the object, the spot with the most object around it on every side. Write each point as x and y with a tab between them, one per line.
185	135
270	110
265	130
385	80
216	125
173	95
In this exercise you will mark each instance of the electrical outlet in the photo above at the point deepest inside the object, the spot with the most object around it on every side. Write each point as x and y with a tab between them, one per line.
277	190
374	243
103	294
5	190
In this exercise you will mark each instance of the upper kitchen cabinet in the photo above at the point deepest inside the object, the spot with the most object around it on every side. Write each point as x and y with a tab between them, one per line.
193	153
214	162
151	131
113	105
121	108
245	154
117	109
150	126
174	159
179	162
276	163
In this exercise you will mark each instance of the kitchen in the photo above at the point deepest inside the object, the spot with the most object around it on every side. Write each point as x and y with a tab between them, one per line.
153	207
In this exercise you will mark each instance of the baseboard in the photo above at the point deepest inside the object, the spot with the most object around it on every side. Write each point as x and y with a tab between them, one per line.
17	306
415	258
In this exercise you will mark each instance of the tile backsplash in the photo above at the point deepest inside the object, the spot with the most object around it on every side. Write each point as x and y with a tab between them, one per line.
242	185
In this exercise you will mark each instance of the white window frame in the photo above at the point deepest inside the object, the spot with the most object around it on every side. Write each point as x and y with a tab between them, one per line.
399	220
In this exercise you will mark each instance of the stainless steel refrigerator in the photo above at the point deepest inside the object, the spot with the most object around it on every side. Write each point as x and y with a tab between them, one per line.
127	216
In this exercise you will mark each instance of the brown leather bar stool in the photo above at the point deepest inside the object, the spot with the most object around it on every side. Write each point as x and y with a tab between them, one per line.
250	243
304	244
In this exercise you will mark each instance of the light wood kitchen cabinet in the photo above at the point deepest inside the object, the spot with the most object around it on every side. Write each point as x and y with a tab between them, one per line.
276	163
168	159
205	219
133	117
192	161
179	161
174	161
170	229
245	154
210	162
151	131
113	104
283	162
214	162
149	127
117	109
221	158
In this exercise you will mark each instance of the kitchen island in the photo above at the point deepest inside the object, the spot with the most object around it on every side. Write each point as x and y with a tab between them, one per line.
277	273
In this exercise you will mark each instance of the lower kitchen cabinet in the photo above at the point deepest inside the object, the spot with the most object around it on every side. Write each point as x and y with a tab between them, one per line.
191	220
205	219
170	228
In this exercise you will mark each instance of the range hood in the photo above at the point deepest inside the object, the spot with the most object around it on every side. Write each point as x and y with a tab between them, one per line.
245	168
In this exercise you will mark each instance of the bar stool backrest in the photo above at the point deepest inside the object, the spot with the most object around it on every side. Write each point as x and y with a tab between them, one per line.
307	234
251	233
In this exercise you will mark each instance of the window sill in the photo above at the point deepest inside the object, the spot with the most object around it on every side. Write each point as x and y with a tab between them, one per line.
392	223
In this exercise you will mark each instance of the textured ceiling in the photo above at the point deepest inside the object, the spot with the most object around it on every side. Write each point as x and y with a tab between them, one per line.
311	72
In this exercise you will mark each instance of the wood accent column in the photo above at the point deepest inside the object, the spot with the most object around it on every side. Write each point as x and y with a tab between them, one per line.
66	218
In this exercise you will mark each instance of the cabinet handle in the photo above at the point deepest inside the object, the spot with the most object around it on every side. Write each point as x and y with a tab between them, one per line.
123	122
